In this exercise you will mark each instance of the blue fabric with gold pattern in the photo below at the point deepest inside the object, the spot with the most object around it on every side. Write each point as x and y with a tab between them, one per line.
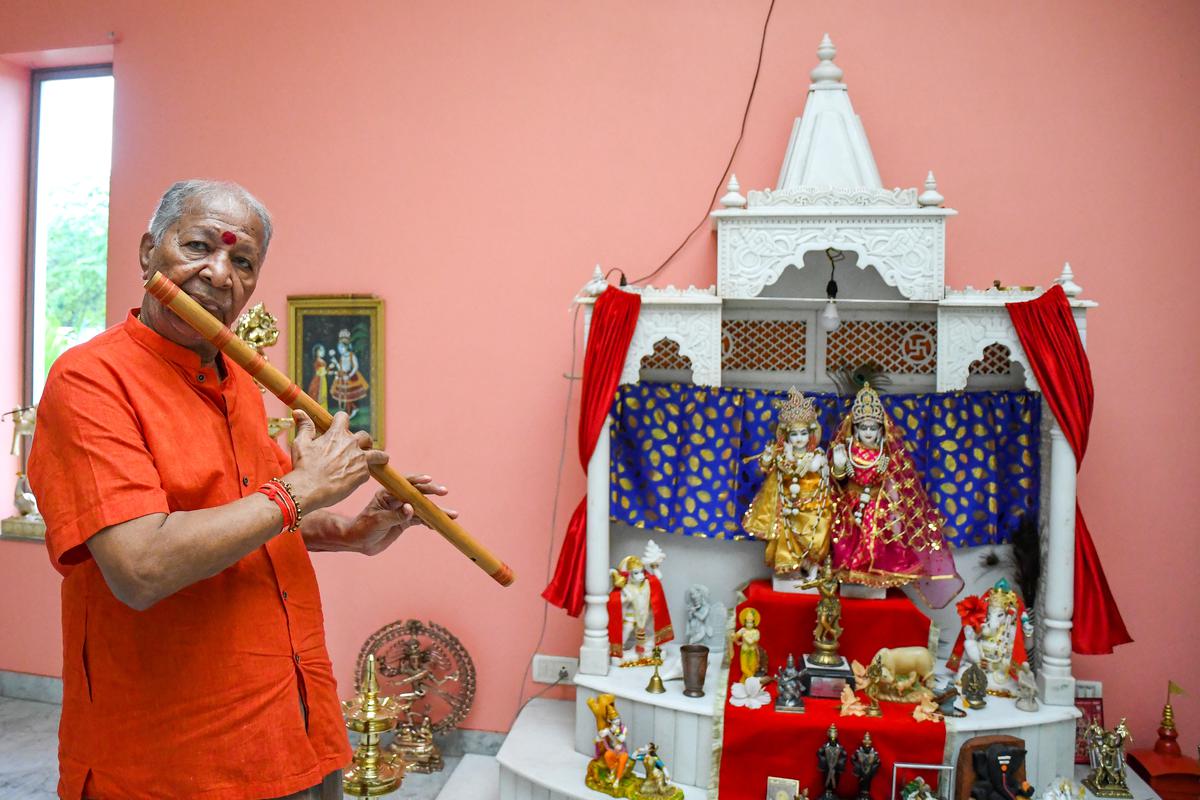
683	456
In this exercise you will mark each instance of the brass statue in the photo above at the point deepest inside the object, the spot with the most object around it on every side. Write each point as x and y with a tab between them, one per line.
258	328
829	617
974	687
372	773
874	684
1106	753
426	662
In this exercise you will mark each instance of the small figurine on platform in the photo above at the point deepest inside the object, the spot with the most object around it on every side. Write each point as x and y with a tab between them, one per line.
792	509
886	531
609	771
657	783
829	618
28	522
1106	754
788	688
974	687
864	764
992	635
750	656
905	674
831	757
703	618
1026	689
415	746
636	602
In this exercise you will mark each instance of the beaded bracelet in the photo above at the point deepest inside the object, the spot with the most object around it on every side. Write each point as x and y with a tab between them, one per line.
282	495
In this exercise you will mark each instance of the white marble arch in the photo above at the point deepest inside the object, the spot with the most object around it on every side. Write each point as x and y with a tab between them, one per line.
907	247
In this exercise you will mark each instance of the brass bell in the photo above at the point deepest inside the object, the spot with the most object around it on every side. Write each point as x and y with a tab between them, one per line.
656	683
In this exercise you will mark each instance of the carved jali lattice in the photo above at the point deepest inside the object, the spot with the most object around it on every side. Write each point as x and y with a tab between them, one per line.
666	355
899	347
772	345
997	360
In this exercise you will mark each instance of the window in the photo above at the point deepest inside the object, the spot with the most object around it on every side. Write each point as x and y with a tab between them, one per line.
70	156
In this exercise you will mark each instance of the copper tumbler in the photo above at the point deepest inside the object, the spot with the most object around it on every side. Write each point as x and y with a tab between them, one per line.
695	666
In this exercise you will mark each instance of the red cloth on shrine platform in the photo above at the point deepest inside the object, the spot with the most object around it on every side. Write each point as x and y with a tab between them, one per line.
762	742
867	625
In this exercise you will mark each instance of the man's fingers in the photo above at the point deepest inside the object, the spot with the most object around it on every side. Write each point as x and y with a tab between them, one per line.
426	485
376	457
341	421
364	440
305	429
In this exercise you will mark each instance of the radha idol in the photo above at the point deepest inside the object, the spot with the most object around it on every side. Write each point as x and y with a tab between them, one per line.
791	511
886	531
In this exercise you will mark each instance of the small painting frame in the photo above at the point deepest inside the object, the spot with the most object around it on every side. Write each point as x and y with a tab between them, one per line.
782	788
335	354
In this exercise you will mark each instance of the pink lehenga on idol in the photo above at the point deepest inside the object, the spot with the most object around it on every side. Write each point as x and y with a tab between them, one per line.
886	531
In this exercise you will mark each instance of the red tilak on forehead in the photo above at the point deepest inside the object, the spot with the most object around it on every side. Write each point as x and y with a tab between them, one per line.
229	237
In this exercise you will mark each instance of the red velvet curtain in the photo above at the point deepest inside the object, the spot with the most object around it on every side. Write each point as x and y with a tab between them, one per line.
1051	341
614	318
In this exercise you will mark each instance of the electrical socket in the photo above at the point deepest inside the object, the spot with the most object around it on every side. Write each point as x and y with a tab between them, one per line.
549	669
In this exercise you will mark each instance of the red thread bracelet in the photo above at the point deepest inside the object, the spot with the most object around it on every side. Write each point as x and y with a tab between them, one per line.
281	495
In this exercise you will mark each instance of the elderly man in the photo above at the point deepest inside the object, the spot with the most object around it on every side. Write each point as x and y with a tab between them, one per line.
194	659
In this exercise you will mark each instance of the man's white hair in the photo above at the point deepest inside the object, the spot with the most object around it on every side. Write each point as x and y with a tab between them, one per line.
175	200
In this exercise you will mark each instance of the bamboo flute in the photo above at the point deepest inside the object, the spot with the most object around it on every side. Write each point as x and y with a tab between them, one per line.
169	294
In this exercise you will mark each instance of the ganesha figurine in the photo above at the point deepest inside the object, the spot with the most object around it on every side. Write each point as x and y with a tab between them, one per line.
637	610
792	510
992	636
886	531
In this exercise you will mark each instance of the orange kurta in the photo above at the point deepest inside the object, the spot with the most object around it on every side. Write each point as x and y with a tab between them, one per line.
199	695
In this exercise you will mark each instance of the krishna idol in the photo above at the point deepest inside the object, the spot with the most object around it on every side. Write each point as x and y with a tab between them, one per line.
886	532
792	509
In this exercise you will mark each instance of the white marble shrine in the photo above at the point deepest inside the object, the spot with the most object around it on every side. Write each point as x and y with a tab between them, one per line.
771	272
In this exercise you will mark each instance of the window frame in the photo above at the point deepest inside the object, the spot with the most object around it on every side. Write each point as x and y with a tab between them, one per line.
36	78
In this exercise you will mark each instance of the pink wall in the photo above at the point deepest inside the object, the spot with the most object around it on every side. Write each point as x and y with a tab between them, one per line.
14	116
471	162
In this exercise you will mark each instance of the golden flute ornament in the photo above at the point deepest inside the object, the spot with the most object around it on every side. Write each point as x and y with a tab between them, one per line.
168	293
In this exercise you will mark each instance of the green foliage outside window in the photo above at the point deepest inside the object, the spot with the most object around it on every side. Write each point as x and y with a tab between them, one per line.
76	258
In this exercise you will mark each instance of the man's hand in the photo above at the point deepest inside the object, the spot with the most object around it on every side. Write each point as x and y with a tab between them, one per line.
374	528
327	467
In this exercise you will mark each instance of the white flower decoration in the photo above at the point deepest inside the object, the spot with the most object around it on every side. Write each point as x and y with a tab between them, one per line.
749	693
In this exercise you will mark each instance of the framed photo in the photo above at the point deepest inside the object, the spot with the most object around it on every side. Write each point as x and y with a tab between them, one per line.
335	355
1093	711
782	788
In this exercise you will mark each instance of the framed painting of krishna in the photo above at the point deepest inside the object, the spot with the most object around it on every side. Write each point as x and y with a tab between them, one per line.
335	355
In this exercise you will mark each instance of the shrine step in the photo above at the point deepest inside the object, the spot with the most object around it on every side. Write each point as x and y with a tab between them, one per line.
538	759
476	777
